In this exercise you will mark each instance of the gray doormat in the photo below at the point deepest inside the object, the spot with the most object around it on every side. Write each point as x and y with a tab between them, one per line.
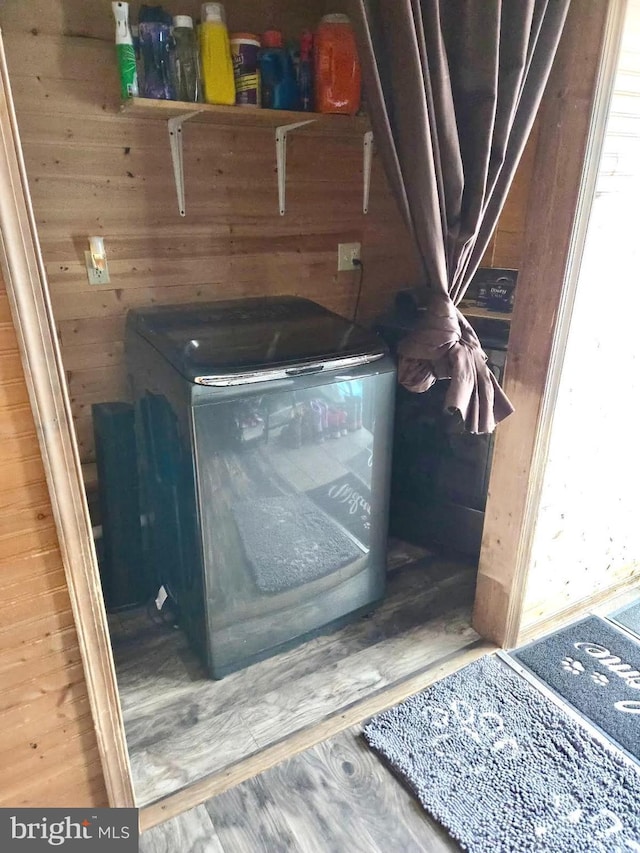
349	502
504	769
595	668
628	617
289	541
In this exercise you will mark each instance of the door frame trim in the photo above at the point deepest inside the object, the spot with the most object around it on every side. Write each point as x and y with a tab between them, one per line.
595	142
522	444
28	294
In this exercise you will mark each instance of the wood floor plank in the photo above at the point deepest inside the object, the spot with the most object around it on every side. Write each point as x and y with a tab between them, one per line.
192	832
415	593
188	750
318	693
217	783
332	798
178	724
400	553
247	818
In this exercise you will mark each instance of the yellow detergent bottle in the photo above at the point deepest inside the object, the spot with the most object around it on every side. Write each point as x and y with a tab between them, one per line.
215	55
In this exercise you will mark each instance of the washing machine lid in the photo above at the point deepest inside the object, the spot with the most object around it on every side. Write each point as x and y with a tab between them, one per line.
251	340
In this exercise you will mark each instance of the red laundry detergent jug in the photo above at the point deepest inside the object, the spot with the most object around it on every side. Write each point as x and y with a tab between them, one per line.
337	68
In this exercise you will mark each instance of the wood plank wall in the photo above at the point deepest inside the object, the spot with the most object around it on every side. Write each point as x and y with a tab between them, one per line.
93	171
48	749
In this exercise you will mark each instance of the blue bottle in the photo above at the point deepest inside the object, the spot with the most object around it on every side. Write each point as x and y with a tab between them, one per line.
277	74
305	72
156	45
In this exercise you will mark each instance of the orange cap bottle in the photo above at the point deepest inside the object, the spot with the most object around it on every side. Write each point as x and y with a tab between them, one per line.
336	66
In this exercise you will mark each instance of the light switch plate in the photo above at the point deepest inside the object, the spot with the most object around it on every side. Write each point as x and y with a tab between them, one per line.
96	276
347	254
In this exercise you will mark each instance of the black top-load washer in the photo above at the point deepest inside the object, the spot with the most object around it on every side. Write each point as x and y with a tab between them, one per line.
264	429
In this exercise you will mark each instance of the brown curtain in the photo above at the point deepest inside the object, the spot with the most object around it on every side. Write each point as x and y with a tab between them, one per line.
453	87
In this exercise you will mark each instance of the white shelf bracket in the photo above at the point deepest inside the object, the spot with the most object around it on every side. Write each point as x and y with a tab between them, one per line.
367	154
281	158
175	141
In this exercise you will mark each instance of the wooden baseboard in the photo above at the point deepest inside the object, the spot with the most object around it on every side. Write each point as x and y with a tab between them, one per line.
217	783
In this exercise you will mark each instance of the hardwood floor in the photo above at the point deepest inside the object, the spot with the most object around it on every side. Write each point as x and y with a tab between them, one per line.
182	727
333	798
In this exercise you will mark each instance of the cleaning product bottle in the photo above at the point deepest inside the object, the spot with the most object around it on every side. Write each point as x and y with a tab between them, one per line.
278	78
156	52
245	48
186	64
305	72
156	49
336	67
217	66
125	52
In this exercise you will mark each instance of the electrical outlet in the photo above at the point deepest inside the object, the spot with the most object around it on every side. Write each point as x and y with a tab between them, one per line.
347	254
96	276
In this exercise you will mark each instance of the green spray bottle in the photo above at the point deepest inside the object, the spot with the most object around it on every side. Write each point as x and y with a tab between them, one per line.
125	52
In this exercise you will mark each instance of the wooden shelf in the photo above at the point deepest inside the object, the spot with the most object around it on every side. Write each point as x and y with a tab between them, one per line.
474	311
333	125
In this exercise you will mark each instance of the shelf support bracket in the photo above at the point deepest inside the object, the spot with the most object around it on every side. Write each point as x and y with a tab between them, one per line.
175	141
281	158
367	155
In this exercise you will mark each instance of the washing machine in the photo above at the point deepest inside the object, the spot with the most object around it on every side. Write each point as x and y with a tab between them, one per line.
264	431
